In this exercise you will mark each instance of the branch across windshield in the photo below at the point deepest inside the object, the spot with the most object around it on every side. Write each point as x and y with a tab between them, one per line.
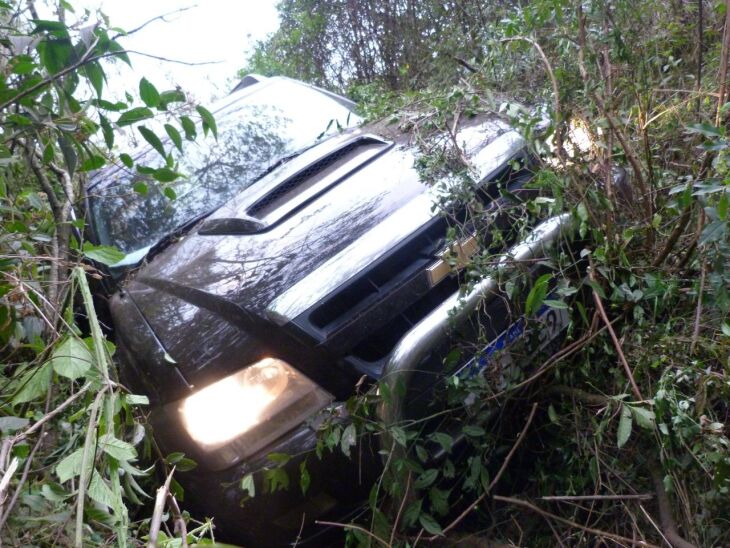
256	130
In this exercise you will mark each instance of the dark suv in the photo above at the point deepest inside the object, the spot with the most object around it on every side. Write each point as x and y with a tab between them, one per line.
302	254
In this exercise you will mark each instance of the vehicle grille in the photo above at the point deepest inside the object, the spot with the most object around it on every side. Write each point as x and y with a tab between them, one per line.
363	320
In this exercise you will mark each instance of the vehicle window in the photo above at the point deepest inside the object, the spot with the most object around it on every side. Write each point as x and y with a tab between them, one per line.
254	133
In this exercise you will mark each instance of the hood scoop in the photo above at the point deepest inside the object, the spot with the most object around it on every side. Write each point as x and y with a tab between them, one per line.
300	188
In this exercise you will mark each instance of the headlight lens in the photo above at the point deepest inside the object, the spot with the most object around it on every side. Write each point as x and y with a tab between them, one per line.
240	414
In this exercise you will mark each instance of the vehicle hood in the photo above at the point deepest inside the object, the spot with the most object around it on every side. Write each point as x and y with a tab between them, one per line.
207	297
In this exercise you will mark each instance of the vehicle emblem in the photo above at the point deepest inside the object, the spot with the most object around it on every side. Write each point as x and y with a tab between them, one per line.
452	259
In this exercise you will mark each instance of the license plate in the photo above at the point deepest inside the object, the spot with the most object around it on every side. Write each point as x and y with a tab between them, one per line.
548	322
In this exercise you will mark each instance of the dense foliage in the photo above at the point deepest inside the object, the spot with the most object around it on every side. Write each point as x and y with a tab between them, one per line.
628	440
620	435
72	435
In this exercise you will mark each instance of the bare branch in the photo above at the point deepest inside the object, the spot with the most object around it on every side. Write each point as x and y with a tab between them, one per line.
597	532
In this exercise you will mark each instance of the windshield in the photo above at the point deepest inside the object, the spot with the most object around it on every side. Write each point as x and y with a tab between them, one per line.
255	131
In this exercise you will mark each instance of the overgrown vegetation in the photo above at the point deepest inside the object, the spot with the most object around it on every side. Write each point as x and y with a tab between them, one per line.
620	435
73	437
626	435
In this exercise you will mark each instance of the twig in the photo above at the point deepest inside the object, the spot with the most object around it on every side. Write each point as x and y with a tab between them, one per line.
23	479
703	275
700	46
722	75
578	498
159	507
497	477
613	125
554	359
400	508
605	534
674	236
52	78
654	524
48	416
356	527
556	93
180	528
665	512
614	339
7	476
150	21
86	474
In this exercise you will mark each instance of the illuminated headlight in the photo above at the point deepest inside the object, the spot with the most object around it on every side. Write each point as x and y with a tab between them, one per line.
238	415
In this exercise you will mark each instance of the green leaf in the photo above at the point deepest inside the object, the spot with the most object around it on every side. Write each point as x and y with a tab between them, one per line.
426	479
248	485
70	466
706	130
439	500
189	128
174	135
277	480
103	254
126	160
582	212
120	450
53	492
713	232
95	75
429	524
410	516
134	115
149	93
348	439
171	96
537	294
473	431
725	329
444	440
34	383
553	415
556	304
22	64
624	427
71	358
106	130
47	25
108	105
69	154
399	435
48	153
136	399
93	162
115	47
279	458
723	205
153	140
645	418
141	188
208	121
165	175
55	53
304	478
100	492
181	462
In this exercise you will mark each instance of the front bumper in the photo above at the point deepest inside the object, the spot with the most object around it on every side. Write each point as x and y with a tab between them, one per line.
435	329
339	485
